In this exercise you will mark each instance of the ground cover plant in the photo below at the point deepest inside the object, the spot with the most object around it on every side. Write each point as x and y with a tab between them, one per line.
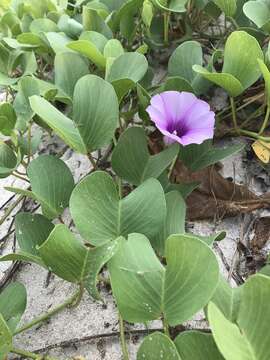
88	71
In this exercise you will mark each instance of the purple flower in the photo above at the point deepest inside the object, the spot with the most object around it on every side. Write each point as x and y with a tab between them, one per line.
182	117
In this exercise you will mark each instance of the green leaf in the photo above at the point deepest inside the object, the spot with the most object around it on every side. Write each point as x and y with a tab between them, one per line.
28	66
8	160
183	58
158	346
248	339
23	256
227	299
43	25
240	58
68	258
147	12
94	19
113	48
176	83
227	6
61	124
144	289
174	222
188	286
137	280
259	12
51	183
266	76
69	26
31	231
69	68
240	68
12	304
5	339
197	157
227	81
7	118
131	159
95	118
195	345
27	87
89	50
177	6
100	216
96	39
127	70
58	42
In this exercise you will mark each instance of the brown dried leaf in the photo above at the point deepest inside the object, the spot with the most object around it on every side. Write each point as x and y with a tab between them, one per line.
262	233
217	197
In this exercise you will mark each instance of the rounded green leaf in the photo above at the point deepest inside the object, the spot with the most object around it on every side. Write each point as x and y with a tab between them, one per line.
240	68
7	118
176	83
51	182
71	260
137	280
174	222
195	345
13	303
248	337
43	25
178	6
183	58
8	160
259	12
229	7
5	339
113	49
133	145
125	71
31	231
191	277
89	50
95	111
101	216
130	65
69	68
158	346
227	81
266	76
240	58
61	124
95	38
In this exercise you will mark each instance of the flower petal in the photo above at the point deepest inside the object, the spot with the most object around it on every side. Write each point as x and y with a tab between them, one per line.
176	104
199	116
169	138
197	136
157	111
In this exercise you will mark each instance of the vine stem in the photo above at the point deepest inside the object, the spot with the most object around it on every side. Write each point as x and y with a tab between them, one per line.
254	135
72	301
92	161
29	136
26	354
172	166
166	327
11	208
122	338
265	122
234	114
20	177
166	27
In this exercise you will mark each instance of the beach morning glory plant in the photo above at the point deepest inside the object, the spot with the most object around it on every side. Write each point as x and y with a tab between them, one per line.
182	117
